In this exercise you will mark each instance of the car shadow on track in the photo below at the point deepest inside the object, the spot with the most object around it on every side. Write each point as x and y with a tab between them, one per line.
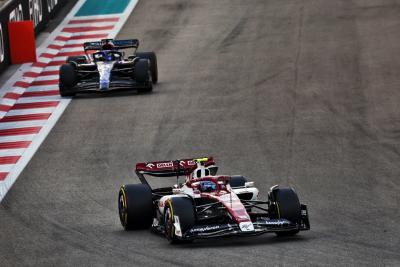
244	241
118	93
233	241
91	95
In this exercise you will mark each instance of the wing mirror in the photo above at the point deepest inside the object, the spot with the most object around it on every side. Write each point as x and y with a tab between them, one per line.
249	184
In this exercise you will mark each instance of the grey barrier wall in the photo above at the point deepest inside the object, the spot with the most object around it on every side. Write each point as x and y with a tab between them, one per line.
39	11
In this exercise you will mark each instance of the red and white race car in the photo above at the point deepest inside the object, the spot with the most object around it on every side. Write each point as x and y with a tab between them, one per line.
207	205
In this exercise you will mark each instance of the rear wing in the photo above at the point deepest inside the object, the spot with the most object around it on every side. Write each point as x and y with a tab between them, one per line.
172	168
118	44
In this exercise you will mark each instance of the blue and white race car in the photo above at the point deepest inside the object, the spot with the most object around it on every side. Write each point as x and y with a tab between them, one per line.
104	67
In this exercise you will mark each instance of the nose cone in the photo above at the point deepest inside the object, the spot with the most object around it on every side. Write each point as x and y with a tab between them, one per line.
104	69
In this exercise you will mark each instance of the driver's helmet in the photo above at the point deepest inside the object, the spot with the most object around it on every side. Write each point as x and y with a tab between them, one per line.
107	55
207	186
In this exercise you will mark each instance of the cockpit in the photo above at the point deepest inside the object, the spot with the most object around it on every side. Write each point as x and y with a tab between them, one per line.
207	186
107	56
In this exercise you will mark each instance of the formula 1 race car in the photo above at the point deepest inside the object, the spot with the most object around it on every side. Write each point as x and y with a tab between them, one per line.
108	69
207	205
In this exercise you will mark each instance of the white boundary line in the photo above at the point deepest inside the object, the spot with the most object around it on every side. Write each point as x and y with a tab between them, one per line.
40	137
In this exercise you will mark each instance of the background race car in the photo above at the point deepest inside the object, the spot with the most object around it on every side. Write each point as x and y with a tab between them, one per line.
207	205
108	68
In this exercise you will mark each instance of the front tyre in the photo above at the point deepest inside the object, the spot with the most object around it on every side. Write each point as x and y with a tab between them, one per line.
135	206
287	207
68	79
151	56
183	209
142	75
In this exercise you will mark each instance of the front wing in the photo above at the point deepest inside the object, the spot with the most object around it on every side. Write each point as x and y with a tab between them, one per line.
94	86
261	226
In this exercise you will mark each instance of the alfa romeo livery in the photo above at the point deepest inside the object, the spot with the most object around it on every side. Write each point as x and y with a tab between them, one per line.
206	204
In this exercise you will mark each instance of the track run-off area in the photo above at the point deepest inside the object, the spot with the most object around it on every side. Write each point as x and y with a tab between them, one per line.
298	93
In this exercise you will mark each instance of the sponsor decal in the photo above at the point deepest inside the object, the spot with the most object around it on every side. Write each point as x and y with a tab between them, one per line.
1	45
187	162
205	229
246	226
35	11
277	222
51	4
177	226
165	165
17	14
149	165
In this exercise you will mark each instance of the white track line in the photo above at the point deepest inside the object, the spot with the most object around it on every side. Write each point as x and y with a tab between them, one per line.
47	78
15	112
11	152
22	124
37	99
128	8
41	88
6	167
17	138
90	24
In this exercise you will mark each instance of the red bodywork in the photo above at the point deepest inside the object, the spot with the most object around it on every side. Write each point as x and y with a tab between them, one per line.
223	194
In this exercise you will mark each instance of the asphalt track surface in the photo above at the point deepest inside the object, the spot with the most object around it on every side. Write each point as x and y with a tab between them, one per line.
300	93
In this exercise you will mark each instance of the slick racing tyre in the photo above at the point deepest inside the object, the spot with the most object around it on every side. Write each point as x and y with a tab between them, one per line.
288	207
77	59
142	71
68	80
142	75
237	181
181	207
153	64
135	206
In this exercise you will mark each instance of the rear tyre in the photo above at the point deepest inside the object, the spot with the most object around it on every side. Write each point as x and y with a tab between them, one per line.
237	181
151	56
135	206
77	59
182	208
68	79
287	207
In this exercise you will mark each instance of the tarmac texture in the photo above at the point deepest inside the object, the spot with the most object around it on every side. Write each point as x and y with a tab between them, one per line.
298	93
